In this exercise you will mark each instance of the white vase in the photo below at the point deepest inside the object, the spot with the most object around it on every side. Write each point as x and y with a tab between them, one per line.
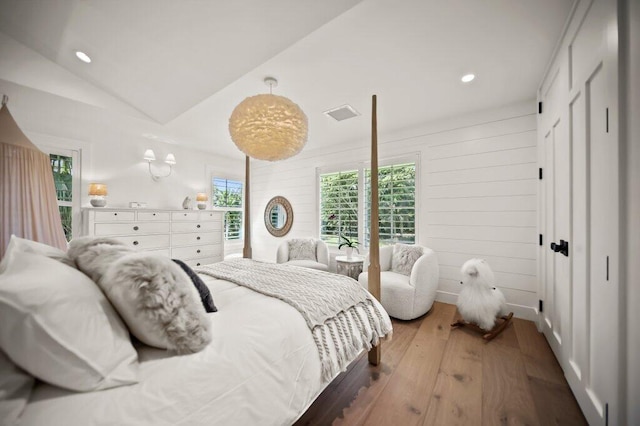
349	253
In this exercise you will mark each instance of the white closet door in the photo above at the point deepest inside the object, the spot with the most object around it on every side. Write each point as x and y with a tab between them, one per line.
580	205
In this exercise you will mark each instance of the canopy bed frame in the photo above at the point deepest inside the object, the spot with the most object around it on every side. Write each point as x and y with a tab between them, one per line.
374	250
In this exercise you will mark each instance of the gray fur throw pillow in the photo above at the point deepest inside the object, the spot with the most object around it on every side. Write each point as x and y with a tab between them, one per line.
404	257
152	294
302	249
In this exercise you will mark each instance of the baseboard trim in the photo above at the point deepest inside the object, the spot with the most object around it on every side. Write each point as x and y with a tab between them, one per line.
519	311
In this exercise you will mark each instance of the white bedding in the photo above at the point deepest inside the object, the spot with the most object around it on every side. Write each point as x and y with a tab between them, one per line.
262	368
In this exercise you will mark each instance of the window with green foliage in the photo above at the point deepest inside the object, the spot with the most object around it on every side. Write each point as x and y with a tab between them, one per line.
227	195
339	206
62	167
341	196
397	203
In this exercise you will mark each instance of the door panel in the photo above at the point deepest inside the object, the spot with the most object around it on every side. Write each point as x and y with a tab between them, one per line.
579	204
602	197
557	198
562	232
578	356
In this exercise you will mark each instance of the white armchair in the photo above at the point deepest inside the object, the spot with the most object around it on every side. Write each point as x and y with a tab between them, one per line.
406	297
321	260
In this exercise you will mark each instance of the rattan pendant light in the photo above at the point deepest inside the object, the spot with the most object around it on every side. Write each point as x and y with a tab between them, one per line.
268	127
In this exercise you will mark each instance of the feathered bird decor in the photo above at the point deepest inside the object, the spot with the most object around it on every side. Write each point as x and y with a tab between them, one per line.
480	303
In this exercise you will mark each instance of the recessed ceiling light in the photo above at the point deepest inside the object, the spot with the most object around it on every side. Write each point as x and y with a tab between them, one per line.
467	78
83	56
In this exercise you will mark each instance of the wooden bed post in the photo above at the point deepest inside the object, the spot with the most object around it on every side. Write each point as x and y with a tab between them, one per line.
246	251
374	242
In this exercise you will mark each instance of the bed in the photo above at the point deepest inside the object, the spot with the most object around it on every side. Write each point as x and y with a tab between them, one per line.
263	365
234	380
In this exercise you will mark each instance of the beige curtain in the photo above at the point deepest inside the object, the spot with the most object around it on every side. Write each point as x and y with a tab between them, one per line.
28	205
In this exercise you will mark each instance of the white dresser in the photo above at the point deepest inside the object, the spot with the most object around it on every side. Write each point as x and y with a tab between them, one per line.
193	236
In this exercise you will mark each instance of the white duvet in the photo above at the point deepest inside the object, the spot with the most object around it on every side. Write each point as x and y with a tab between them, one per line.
262	368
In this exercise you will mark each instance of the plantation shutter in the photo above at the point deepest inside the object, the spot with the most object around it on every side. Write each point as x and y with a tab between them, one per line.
227	196
397	192
338	206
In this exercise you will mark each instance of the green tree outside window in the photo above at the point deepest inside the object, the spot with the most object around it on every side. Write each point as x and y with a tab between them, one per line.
62	168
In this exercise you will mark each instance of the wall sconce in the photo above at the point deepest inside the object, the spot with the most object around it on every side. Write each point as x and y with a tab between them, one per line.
149	156
98	193
202	198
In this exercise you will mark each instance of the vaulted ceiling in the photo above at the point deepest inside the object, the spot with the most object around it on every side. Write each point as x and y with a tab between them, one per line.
186	64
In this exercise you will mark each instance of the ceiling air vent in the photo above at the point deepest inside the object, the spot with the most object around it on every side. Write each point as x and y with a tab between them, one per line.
342	112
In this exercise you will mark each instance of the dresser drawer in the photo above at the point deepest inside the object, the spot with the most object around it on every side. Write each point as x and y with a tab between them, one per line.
146	242
210	215
196	238
153	216
112	216
186	215
195	226
160	252
196	251
204	261
131	228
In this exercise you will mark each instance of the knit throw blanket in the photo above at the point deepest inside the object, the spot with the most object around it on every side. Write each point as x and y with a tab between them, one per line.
340	314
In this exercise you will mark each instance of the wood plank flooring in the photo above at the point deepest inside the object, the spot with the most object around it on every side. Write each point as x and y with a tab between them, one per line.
432	375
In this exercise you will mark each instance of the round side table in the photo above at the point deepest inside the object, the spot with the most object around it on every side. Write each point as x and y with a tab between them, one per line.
349	267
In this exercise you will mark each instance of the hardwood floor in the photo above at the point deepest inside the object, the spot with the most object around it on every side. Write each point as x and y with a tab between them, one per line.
432	375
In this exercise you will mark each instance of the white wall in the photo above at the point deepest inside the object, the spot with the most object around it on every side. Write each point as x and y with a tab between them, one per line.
476	190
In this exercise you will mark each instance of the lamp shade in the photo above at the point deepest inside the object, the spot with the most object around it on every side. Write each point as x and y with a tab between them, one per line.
268	127
97	189
201	196
149	155
171	159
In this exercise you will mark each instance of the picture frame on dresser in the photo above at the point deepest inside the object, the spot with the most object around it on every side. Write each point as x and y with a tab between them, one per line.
195	237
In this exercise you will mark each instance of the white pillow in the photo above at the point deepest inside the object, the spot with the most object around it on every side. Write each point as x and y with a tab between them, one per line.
56	324
302	249
17	244
404	257
15	389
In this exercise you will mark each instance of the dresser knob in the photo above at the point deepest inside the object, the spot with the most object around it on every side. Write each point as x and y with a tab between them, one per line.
154	214
135	228
198	226
198	238
198	264
198	251
135	243
115	214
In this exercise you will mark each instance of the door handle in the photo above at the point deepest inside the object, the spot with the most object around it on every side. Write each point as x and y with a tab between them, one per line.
562	247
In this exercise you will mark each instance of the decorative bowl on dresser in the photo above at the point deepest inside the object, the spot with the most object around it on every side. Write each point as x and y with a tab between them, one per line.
195	237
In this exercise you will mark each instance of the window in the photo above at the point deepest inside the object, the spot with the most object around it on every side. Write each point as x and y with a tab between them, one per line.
345	204
63	165
397	195
339	206
227	195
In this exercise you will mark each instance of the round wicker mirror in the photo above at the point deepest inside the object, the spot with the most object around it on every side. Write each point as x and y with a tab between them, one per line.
278	216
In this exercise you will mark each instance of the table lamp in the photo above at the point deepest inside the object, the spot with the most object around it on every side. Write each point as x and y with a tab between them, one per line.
202	199
98	193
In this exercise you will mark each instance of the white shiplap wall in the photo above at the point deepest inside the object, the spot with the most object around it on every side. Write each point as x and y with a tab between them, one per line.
476	190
